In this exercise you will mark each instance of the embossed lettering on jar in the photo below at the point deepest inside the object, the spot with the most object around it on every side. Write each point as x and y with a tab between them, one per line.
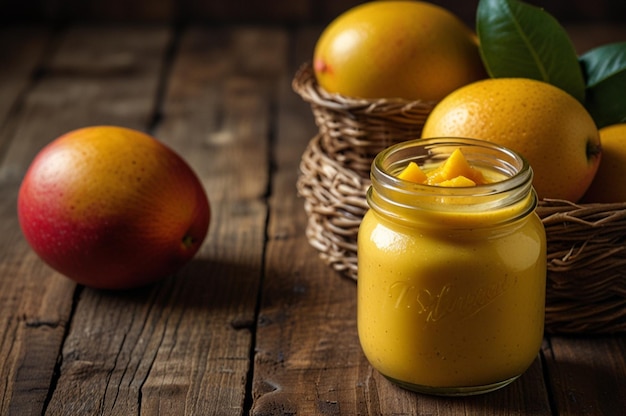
451	281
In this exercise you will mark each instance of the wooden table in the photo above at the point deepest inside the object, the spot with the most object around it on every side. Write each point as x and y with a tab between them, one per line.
256	323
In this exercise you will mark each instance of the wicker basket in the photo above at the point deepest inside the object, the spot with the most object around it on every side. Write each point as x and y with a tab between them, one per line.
586	277
354	131
586	290
334	200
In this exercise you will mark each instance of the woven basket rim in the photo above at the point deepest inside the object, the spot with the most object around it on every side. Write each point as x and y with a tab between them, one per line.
305	84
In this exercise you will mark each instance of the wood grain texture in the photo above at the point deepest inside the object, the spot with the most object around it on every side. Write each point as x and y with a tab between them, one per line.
21	52
587	374
35	307
256	323
183	346
94	76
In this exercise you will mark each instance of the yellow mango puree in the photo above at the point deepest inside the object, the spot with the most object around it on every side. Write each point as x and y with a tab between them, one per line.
445	304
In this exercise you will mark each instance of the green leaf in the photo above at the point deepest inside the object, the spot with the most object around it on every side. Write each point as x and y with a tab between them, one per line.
521	40
605	71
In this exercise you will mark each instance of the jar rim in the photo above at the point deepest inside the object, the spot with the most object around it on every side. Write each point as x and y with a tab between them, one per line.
381	167
515	189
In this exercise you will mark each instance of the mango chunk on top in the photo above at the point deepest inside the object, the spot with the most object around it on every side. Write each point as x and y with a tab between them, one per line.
453	172
458	182
413	173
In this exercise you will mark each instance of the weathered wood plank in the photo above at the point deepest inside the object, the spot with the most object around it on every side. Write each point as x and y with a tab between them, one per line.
73	90
220	111
35	306
35	303
98	76
21	51
307	310
183	345
588	375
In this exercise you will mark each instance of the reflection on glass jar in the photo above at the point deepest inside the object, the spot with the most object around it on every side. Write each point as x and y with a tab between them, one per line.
451	281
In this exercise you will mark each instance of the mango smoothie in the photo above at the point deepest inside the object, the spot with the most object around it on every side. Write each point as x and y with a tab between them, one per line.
451	268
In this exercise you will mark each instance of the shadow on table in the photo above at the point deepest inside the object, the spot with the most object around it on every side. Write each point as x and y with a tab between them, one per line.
200	284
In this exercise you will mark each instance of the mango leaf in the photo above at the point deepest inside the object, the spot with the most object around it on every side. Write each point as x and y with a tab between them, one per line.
604	69
521	40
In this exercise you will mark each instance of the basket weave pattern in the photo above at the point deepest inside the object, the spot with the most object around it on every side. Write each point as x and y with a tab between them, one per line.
354	131
334	200
586	291
586	274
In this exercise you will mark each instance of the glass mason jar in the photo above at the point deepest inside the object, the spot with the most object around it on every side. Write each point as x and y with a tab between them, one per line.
451	281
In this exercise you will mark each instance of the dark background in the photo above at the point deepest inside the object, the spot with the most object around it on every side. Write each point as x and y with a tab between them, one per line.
284	12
